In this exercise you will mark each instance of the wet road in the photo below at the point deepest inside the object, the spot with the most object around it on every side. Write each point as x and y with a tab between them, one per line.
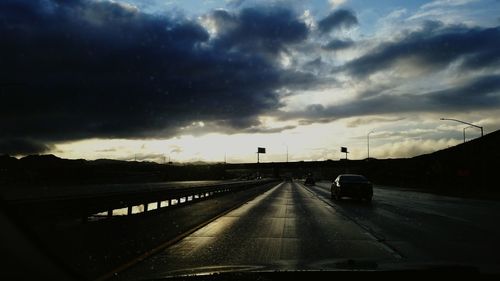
427	227
296	227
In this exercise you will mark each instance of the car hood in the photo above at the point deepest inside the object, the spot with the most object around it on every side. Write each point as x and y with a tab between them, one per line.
255	271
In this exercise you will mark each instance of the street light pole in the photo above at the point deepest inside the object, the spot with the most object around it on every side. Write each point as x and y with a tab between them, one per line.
368	143
463	122
464	131
287	153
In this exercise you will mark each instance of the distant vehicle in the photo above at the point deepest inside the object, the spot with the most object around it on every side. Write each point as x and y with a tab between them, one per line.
352	185
309	180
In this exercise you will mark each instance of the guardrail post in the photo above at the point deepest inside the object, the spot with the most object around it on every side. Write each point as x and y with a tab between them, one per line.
145	207
129	210
110	213
158	206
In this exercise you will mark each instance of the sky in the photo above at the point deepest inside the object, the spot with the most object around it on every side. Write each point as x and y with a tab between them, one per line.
183	81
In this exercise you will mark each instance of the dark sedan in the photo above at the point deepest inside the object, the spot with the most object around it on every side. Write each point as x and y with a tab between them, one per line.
309	181
351	185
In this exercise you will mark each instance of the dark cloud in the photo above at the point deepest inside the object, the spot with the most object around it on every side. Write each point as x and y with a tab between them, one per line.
336	20
304	80
80	69
234	3
269	130
314	64
177	149
479	93
337	44
434	47
264	30
372	119
210	127
22	146
482	92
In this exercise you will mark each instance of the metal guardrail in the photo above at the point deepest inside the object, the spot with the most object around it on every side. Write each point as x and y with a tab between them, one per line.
105	205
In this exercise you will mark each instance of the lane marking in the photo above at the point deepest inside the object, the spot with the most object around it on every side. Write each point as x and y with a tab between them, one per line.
176	239
372	234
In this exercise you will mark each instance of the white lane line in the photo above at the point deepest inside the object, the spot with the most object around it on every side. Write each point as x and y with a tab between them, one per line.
372	234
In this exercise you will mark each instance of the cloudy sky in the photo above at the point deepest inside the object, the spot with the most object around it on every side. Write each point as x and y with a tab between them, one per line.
197	80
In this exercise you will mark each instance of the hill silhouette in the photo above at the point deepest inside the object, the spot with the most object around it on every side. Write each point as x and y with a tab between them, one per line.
470	166
464	168
34	170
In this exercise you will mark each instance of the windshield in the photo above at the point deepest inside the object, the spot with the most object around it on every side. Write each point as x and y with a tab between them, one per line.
149	139
352	179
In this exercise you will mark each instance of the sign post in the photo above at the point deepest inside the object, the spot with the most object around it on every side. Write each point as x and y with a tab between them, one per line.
344	150
260	150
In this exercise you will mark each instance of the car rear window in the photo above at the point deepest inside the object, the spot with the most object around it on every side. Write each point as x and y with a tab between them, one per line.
352	178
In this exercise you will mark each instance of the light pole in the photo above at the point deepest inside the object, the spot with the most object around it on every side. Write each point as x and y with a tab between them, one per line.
464	131
463	122
368	143
286	149
287	153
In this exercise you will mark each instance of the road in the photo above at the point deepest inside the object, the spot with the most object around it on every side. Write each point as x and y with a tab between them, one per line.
292	226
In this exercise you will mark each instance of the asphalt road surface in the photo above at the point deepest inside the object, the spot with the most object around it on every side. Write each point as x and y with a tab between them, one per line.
292	226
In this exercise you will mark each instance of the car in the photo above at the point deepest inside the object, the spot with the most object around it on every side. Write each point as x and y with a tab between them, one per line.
352	185
309	180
